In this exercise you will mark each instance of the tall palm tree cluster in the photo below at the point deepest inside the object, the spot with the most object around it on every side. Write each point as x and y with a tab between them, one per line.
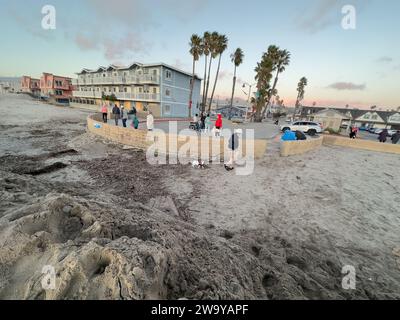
273	63
211	46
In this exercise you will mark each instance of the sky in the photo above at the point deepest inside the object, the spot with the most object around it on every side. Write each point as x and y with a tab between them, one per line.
359	67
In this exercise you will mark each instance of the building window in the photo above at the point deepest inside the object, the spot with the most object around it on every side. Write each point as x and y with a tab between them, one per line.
125	89
140	89
167	92
145	71
167	109
154	90
168	74
155	72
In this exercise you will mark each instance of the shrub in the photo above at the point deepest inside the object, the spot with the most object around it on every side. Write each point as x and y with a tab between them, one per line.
332	131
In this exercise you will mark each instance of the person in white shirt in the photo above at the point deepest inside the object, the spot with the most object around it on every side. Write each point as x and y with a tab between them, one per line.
150	121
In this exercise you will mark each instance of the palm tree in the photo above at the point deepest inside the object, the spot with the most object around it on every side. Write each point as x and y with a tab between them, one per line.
196	51
263	77
300	92
281	58
213	43
220	46
237	59
205	47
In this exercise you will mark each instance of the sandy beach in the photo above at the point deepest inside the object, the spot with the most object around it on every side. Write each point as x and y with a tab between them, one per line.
115	227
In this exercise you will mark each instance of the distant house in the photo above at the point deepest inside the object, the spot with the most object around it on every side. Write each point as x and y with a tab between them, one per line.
361	118
379	119
330	119
56	88
235	111
30	85
10	84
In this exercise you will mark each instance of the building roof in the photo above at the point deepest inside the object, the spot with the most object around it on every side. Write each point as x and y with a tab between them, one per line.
343	115
355	113
114	67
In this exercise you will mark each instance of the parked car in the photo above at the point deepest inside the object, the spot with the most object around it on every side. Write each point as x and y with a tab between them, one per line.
311	128
390	132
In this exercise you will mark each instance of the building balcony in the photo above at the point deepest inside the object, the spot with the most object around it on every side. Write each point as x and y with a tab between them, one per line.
117	80
153	97
147	97
87	94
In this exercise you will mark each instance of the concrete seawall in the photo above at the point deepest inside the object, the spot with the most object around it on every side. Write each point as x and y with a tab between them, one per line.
291	148
195	146
362	144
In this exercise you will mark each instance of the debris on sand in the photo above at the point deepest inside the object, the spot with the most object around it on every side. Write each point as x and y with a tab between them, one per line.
47	169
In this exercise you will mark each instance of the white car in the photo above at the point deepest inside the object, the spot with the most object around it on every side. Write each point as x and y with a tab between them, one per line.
390	131
308	127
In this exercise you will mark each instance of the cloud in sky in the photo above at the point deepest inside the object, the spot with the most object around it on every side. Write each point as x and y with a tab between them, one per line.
341	86
320	17
120	26
385	59
326	13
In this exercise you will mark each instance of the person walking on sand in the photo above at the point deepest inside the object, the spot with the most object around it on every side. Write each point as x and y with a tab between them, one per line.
135	122
396	137
218	125
383	136
233	145
117	113
104	111
124	116
150	121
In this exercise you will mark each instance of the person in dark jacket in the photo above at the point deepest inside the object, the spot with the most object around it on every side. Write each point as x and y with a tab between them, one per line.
116	112
383	136
203	120
396	137
233	145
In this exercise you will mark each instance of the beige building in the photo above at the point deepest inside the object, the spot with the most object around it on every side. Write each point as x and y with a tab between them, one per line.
330	119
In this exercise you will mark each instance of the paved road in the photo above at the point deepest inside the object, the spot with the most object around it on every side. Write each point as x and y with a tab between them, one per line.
261	130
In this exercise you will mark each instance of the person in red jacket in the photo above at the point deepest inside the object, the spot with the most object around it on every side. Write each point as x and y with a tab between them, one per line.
218	125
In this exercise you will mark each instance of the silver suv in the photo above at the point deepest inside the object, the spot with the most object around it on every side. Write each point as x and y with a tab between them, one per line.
309	127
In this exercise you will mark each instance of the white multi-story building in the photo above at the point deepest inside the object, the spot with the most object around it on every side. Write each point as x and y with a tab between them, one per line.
161	88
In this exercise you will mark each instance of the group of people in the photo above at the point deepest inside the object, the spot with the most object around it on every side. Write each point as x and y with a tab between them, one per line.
204	124
382	136
119	113
385	134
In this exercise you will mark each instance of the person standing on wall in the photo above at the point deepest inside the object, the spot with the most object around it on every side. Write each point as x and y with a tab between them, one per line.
150	121
117	113
124	116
